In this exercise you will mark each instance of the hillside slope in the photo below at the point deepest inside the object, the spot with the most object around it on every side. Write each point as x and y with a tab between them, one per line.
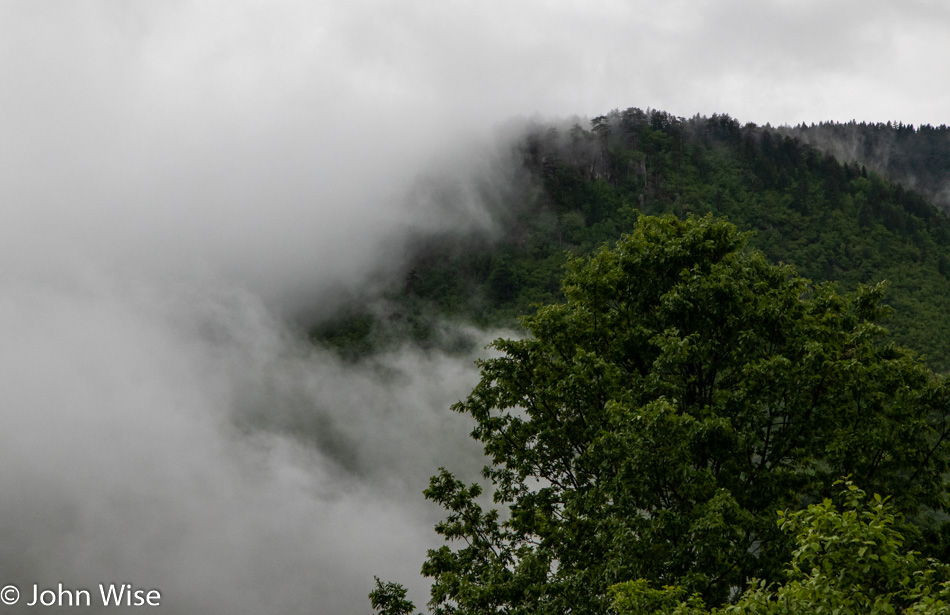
833	221
917	157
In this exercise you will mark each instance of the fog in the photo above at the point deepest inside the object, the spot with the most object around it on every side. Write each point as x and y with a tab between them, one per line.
184	186
180	187
184	441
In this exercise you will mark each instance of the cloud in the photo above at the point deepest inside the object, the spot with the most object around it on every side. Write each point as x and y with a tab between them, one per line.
187	442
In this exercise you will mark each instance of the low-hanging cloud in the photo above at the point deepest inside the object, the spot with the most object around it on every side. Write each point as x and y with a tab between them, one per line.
187	442
172	191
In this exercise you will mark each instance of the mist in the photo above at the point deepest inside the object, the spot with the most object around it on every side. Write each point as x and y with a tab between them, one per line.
184	190
187	443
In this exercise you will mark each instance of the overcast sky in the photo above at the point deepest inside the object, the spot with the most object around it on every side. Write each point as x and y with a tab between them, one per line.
235	133
177	177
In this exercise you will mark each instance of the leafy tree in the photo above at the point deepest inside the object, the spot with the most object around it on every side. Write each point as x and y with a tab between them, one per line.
650	426
847	562
390	599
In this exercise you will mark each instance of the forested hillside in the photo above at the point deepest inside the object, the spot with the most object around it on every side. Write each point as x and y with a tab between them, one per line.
644	433
917	157
833	221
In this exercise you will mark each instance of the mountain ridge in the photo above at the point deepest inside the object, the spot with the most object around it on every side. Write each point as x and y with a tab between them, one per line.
833	220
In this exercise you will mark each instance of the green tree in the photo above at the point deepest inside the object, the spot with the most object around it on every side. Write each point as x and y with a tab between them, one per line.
650	426
390	599
847	562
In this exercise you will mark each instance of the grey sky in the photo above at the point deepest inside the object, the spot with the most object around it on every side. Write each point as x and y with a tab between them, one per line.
234	133
176	177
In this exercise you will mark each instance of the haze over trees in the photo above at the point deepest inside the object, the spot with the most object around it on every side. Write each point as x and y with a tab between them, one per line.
832	220
917	157
683	382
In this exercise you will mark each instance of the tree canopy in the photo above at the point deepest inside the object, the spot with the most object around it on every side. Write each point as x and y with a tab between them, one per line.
650	426
832	218
847	561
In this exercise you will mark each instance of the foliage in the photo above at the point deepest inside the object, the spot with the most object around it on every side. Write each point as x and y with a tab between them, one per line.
914	156
832	220
382	326
390	599
638	598
651	424
847	562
